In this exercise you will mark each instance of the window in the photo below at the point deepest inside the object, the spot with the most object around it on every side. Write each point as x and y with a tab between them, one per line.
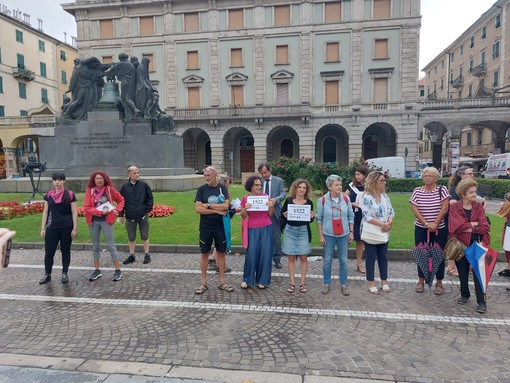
19	36
380	90
44	95
332	92
442	64
380	49
472	41
461	49
2	111
469	139
63	77
460	71
470	91
20	61
381	9
150	56
107	59
42	46
146	25
194	97
281	15
435	69
471	65
106	28
236	92
479	137
497	22
332	52
282	94
236	57
191	22
22	90
495	80
23	113
422	92
63	55
451	80
1	84
495	50
282	54
329	149
42	68
441	83
452	57
192	60
482	55
333	12
236	18
483	33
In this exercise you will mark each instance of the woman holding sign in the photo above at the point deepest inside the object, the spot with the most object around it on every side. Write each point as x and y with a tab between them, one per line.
258	209
102	204
335	223
298	212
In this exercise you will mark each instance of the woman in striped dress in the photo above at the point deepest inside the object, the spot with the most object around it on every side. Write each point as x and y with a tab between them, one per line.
430	204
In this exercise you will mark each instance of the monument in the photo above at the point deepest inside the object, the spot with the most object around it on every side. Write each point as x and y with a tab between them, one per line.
103	128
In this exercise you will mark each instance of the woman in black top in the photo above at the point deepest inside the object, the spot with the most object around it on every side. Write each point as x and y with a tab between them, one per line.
59	224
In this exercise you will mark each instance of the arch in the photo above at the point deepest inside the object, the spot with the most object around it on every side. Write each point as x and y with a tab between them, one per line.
379	140
238	151
197	149
332	144
282	141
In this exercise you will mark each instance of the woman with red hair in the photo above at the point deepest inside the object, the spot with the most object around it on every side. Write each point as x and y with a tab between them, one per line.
102	205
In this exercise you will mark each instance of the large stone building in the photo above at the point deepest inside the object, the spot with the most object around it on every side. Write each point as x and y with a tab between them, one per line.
34	71
476	66
251	80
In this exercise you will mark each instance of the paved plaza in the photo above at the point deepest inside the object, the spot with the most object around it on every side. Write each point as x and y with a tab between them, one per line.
151	323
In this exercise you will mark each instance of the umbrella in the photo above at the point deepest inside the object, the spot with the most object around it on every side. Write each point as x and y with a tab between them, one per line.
226	224
428	257
482	260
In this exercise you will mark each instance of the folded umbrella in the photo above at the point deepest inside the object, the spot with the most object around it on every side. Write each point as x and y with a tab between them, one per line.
226	224
428	257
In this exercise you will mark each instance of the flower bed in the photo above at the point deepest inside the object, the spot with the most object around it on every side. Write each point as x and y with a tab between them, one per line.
14	209
157	211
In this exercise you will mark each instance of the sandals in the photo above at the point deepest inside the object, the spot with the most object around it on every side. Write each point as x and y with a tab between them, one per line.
451	271
261	287
373	290
439	289
420	287
226	287
291	288
386	288
201	289
244	285
361	269
302	288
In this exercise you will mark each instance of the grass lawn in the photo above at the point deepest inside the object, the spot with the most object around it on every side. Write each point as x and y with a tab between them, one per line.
182	226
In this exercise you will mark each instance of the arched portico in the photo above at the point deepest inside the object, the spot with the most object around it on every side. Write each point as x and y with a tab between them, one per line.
332	144
379	140
282	141
197	149
239	151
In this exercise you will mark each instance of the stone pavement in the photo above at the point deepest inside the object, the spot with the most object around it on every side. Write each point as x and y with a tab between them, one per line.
151	327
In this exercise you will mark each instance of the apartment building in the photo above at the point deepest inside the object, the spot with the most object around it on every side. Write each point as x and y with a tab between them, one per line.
34	70
249	81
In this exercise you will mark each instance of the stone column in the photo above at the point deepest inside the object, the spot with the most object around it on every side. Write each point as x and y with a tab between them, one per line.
214	72
258	43
357	65
306	64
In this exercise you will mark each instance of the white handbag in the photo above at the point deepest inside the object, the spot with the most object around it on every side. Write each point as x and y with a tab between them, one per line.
372	234
506	239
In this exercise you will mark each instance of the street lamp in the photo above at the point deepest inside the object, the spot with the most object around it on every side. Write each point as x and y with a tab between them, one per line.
433	137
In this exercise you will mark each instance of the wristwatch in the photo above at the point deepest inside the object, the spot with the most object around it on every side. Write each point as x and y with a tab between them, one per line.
208	205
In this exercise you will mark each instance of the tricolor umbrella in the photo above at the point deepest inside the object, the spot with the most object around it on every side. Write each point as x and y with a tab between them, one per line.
482	260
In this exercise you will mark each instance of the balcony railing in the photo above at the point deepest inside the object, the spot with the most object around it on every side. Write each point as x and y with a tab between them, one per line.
458	82
479	70
43	119
23	73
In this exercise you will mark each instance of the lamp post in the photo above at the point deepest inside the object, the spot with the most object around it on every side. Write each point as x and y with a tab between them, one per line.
435	152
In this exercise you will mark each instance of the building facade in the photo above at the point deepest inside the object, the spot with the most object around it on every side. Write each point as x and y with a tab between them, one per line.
249	81
474	68
33	67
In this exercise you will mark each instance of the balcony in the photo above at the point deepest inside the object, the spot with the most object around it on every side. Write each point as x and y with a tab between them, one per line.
23	73
479	70
242	112
458	82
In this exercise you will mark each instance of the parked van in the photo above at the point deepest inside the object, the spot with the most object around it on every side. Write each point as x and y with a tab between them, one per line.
498	166
394	166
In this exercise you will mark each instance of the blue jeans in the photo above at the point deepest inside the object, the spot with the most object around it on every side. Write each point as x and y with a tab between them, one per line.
342	243
95	235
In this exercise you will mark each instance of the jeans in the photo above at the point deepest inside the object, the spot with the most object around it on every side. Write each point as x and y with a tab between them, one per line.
379	252
95	235
342	243
51	240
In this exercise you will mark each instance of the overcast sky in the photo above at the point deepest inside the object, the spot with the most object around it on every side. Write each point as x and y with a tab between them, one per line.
442	20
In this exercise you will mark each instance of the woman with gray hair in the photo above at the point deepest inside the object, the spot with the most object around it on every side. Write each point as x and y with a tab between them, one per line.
430	204
335	223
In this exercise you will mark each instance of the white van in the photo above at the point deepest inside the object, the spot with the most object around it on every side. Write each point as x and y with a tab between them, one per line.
394	166
498	166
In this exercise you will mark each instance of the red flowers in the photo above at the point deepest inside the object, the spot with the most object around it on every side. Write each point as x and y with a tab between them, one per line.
14	209
161	211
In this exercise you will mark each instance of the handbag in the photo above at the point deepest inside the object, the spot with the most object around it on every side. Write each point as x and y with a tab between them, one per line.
373	235
454	249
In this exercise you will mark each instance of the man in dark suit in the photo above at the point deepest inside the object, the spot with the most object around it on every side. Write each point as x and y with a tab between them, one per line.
275	188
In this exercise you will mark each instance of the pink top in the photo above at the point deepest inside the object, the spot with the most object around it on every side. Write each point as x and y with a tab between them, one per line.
257	218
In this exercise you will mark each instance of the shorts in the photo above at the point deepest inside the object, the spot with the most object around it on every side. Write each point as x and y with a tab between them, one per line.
206	239
131	224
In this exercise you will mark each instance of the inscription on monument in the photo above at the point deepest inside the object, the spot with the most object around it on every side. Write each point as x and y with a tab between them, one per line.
100	141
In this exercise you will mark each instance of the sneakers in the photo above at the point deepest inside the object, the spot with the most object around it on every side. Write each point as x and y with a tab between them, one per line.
95	275
65	278
504	273
130	259
117	276
146	259
211	264
45	279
